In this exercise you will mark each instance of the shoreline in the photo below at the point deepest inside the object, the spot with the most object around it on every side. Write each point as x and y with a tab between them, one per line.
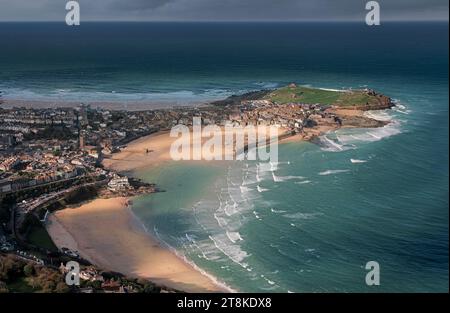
66	232
134	157
108	234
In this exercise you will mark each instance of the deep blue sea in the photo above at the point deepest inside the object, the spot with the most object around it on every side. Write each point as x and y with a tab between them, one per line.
310	222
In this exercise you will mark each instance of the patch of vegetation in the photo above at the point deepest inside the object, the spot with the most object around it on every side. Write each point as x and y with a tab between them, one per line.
236	99
29	222
80	195
38	236
20	285
27	174
19	276
5	205
298	94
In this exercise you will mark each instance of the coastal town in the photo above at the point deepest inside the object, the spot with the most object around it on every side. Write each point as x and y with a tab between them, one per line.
52	158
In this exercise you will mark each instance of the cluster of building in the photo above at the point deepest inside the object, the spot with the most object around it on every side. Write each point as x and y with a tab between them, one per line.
15	124
49	154
31	169
71	127
108	285
293	116
41	146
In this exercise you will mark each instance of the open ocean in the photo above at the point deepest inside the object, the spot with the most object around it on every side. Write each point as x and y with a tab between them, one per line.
311	222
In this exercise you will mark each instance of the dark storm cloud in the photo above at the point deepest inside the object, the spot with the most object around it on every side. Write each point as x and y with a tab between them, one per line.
219	10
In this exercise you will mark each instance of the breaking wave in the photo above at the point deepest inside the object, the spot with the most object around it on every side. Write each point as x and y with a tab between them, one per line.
355	161
331	172
302	216
348	138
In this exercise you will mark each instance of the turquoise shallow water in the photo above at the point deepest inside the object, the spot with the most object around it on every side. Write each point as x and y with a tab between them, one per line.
311	222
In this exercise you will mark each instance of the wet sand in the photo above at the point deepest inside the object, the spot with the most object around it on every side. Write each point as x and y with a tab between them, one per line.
106	233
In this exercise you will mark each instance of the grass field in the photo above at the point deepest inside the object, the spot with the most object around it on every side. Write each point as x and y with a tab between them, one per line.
38	236
318	96
20	285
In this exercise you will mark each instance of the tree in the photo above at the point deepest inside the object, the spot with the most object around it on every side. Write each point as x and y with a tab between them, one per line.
151	288
4	210
28	270
33	282
48	286
62	288
3	287
10	268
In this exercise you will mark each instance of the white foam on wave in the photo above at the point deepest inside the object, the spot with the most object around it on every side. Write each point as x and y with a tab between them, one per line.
260	189
379	115
231	209
256	215
183	257
330	172
205	251
275	178
266	167
220	220
345	139
303	182
331	145
234	236
280	163
258	178
356	161
231	250
278	179
396	109
245	189
386	131
400	107
277	211
302	216
371	135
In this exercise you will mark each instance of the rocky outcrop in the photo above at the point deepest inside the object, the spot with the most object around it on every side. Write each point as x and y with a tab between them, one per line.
384	103
361	122
235	100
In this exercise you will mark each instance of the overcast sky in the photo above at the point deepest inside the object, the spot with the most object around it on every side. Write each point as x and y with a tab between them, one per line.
222	10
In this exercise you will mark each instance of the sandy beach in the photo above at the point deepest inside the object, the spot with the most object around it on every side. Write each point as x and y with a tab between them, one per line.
107	234
135	156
